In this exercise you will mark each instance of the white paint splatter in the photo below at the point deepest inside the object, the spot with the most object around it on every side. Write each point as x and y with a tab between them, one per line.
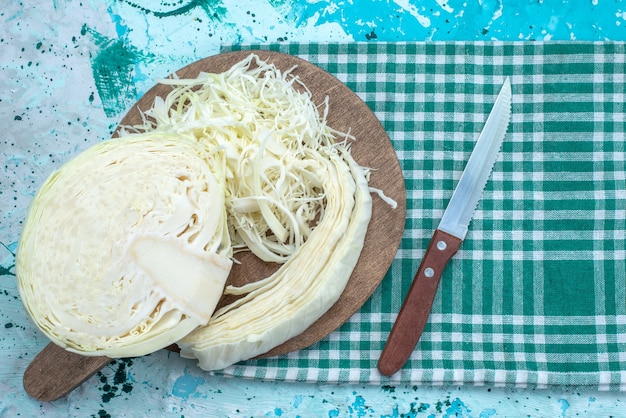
497	14
445	6
405	5
572	35
553	23
332	8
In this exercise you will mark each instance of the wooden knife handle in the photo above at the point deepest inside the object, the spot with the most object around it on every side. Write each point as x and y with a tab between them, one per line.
413	315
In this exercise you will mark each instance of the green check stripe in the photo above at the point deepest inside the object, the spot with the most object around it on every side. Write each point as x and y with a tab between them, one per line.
536	296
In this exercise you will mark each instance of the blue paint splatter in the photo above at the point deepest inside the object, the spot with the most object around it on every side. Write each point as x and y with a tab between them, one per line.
333	414
120	28
564	407
457	409
395	413
12	247
487	413
278	412
186	385
297	400
358	406
376	20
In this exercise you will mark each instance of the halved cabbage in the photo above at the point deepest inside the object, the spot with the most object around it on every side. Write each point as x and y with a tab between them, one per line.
126	249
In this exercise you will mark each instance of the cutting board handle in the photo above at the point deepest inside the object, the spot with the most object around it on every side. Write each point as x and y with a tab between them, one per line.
55	372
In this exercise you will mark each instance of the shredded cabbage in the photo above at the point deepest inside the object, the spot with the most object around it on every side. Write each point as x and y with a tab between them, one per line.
125	248
259	131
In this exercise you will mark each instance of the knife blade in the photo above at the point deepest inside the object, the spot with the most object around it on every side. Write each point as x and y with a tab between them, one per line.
447	238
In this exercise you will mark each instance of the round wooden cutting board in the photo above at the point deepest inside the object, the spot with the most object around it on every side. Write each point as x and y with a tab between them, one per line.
371	148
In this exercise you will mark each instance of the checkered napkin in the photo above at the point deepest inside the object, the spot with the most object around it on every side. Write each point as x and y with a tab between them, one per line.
536	294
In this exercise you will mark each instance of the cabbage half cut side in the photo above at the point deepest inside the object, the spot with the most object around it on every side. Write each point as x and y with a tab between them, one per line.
125	249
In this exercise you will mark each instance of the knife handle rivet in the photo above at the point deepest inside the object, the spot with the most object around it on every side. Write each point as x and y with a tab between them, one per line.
429	272
441	245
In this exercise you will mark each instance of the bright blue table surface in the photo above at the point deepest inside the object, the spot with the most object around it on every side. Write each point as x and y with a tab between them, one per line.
55	100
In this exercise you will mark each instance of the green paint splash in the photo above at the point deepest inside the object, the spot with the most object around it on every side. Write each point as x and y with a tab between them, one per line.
121	383
113	66
213	8
279	3
7	270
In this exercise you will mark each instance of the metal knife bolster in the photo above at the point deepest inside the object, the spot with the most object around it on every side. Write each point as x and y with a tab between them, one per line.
447	238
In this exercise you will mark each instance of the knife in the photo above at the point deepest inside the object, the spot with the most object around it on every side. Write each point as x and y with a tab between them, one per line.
447	238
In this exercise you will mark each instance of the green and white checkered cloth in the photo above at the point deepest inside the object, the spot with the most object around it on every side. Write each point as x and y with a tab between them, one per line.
536	296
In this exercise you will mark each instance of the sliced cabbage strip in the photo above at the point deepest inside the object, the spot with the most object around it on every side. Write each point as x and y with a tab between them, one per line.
125	248
286	303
